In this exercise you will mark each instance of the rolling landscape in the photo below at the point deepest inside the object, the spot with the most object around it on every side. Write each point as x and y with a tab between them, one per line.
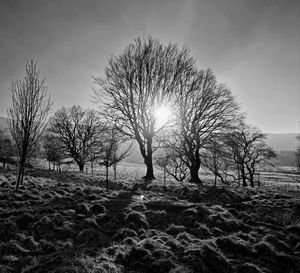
149	136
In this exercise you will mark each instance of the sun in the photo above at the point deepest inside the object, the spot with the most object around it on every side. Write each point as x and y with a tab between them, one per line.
162	115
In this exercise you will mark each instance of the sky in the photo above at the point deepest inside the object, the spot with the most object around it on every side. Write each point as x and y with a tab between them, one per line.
253	46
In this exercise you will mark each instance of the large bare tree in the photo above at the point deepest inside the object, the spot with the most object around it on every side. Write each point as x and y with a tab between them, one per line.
136	83
204	108
27	114
79	132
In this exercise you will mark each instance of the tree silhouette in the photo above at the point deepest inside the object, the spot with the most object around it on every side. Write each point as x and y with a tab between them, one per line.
248	150
7	149
53	150
138	81
79	131
27	114
204	108
111	153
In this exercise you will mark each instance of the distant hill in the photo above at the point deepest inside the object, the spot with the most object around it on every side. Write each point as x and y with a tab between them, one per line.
3	123
283	142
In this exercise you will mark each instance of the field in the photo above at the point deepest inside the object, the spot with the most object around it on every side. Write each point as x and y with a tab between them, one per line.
68	222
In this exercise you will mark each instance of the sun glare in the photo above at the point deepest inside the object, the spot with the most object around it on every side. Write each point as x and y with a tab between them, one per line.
162	115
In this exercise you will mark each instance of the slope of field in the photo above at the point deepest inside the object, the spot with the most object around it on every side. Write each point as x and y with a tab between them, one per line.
69	223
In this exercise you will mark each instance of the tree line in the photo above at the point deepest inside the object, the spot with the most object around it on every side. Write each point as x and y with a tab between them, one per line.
205	127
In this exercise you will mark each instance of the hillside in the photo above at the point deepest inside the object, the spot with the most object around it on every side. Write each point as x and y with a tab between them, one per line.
3	123
283	142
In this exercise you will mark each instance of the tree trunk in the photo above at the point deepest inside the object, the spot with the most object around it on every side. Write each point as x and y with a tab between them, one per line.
115	172
251	179
243	176
194	170
251	175
19	178
106	166
195	176
150	172
81	166
20	174
165	177
147	159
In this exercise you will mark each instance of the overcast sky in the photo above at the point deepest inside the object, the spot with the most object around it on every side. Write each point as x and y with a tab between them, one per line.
252	45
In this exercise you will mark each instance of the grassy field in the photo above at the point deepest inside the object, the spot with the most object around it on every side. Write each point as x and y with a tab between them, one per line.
68	222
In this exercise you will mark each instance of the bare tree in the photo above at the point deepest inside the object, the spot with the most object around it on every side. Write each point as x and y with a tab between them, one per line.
79	131
27	114
205	108
111	152
248	151
53	150
136	83
172	162
7	150
216	159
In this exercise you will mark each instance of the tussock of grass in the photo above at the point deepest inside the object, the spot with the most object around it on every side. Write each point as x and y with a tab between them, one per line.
175	229
8	230
127	232
97	209
82	208
158	218
90	236
234	246
185	238
264	249
277	243
248	268
163	265
205	258
44	228
138	258
136	220
12	248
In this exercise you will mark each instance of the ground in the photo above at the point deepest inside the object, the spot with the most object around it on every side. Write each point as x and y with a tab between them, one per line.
70	223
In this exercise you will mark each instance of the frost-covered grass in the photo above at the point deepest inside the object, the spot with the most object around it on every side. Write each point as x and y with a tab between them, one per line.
70	223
